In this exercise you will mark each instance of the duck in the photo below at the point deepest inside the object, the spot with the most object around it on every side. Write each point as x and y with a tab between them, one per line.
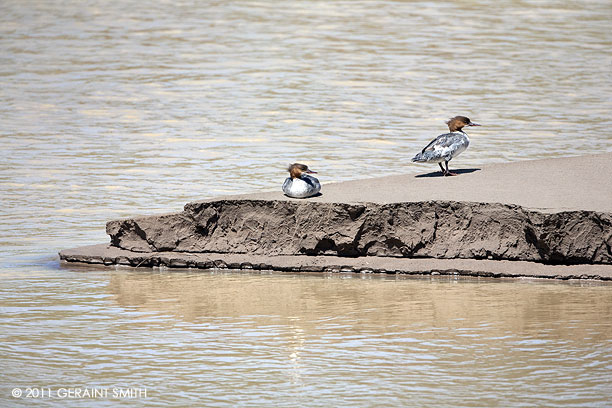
300	184
447	146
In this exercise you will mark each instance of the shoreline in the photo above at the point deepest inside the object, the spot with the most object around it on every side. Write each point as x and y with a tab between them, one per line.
104	254
547	218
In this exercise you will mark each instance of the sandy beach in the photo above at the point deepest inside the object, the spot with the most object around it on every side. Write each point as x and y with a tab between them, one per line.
562	184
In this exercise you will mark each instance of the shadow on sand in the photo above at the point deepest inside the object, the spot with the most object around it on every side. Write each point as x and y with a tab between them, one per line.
314	195
438	173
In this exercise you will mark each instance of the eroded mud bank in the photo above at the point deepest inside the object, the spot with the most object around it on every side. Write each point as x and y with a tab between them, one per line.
434	229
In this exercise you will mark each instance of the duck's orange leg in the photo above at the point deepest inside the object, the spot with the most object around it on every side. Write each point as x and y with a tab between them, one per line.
447	172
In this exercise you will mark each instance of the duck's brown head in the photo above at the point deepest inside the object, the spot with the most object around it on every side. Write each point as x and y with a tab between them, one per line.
459	122
296	170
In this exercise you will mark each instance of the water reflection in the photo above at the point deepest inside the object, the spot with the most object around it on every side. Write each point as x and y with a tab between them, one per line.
484	336
381	300
343	340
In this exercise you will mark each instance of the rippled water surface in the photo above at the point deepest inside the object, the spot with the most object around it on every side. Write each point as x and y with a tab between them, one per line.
226	339
112	109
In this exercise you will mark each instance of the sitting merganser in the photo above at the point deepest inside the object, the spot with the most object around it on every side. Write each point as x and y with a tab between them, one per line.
300	184
444	147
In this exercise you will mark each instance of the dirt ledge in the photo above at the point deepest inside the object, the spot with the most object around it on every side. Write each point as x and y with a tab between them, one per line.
104	254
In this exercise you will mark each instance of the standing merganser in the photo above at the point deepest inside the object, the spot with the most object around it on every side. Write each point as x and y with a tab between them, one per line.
444	147
300	184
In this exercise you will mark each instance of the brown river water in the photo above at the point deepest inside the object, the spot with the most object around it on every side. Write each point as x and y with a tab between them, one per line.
114	109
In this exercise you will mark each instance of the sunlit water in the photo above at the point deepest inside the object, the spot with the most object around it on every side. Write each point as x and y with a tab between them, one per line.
226	339
112	109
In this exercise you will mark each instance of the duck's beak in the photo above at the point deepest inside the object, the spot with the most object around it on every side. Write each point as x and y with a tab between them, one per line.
311	172
474	124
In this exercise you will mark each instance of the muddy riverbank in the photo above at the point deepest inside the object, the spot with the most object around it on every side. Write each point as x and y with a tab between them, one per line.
549	218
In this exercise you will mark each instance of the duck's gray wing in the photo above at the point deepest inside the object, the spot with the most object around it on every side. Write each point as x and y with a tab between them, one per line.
439	139
313	182
445	140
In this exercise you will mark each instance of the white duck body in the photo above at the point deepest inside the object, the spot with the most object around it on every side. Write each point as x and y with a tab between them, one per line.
302	187
444	147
